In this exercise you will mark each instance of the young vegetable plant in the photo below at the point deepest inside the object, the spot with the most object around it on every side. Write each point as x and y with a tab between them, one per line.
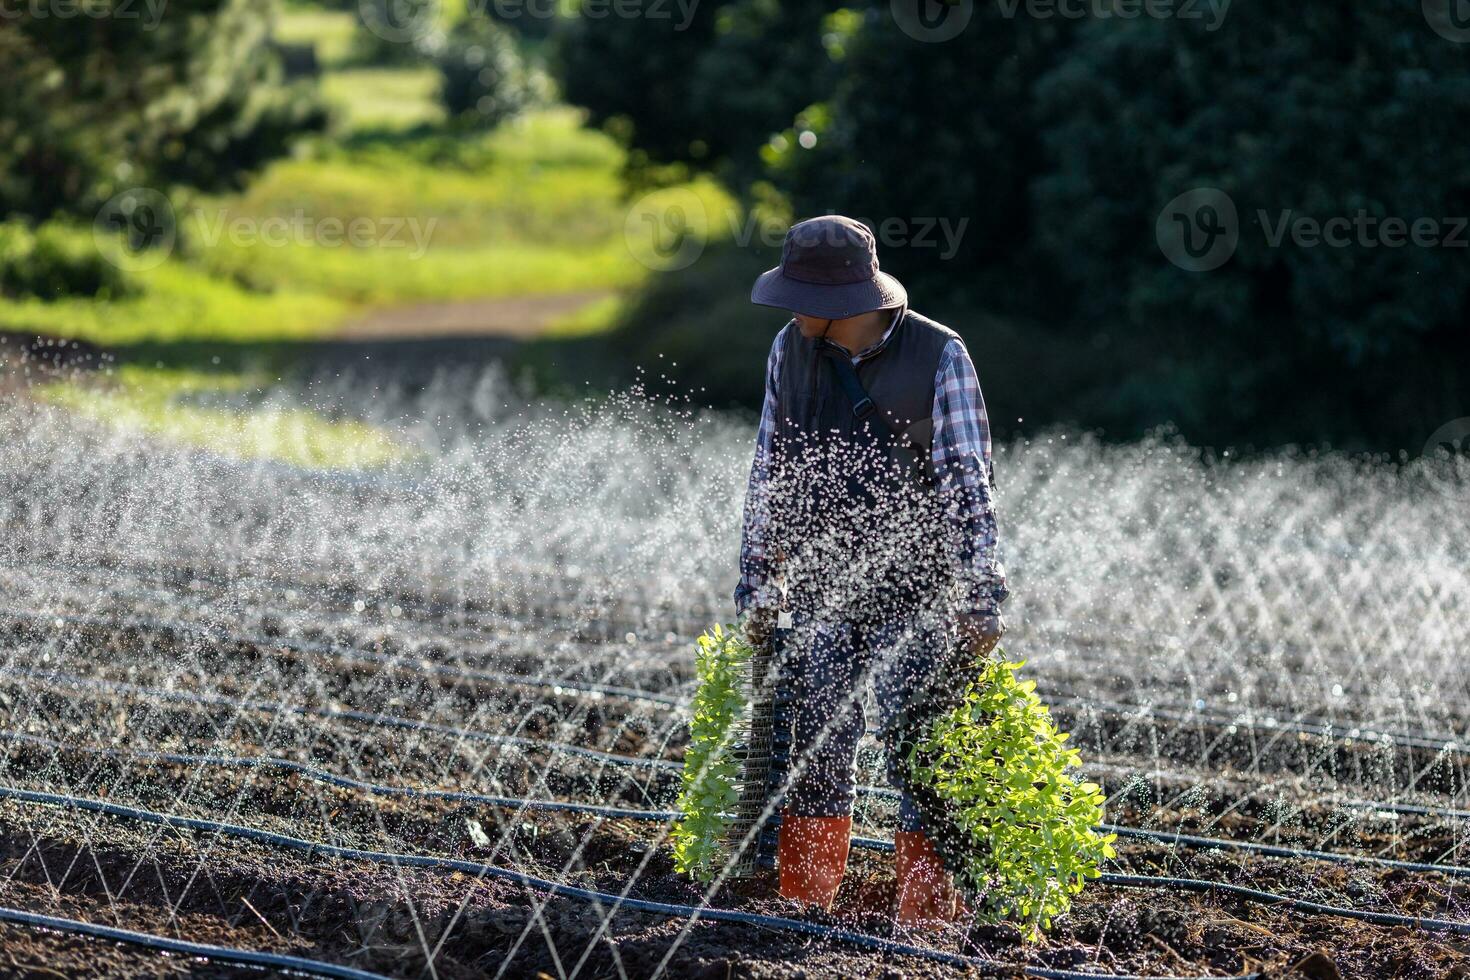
709	792
1025	824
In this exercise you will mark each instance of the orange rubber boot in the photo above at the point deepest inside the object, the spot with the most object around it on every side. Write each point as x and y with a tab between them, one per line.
812	856
926	894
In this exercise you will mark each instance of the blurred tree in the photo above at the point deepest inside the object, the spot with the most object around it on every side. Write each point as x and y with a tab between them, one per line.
1051	145
1353	113
919	132
706	89
653	60
114	99
397	33
485	80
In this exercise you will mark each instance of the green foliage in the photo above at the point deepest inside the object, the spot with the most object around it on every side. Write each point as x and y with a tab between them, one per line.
192	408
485	78
56	261
397	33
1057	142
708	90
1001	767
652	60
710	768
90	109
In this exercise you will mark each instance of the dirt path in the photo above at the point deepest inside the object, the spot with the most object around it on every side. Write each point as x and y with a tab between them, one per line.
519	317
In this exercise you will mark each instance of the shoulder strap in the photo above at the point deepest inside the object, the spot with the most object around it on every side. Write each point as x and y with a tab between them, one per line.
862	406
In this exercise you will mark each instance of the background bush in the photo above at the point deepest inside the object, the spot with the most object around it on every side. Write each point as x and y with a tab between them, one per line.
55	261
1059	142
485	78
92	108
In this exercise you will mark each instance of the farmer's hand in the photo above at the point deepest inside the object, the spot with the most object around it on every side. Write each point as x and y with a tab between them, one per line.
980	633
760	620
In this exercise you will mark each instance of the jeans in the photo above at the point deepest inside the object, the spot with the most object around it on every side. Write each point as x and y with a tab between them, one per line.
831	664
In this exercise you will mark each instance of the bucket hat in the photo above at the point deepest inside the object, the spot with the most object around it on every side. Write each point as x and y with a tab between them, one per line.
829	269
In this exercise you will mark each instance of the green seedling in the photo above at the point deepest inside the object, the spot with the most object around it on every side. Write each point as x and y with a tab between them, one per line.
711	769
1005	774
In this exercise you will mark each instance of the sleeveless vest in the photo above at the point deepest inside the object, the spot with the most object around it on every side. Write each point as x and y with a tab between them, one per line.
853	507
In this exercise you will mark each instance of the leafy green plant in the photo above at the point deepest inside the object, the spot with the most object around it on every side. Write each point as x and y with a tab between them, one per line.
486	80
710	768
56	261
1001	769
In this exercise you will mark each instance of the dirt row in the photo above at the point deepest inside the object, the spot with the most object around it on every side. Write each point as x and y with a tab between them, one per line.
1284	814
1288	813
456	632
230	891
300	807
243	670
389	920
330	908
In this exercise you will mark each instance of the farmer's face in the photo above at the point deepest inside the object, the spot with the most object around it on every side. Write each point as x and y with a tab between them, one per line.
811	326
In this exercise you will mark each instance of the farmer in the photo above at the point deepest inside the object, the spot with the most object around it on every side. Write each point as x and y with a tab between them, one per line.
869	519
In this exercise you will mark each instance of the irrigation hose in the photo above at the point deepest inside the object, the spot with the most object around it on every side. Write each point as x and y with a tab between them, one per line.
364	717
356	655
222	954
1321	729
345	782
391	721
617	902
627	813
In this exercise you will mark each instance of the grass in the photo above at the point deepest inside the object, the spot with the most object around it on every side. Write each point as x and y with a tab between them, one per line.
536	206
533	207
156	402
331	32
178	303
384	98
597	317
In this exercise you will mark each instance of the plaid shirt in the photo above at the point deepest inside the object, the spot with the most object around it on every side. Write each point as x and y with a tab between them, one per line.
961	454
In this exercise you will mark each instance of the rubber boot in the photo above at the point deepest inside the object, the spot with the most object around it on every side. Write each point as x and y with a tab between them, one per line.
927	897
812	857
